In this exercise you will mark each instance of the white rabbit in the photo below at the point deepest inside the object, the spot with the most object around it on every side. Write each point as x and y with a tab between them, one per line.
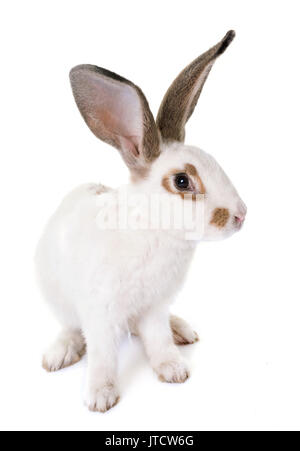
103	282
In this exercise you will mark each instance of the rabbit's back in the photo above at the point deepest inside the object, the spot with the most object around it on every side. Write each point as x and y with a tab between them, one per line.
65	250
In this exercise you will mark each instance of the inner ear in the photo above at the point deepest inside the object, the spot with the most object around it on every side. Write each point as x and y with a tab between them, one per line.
131	143
118	113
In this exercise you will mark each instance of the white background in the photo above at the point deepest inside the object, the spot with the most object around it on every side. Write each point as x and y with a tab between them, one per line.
242	295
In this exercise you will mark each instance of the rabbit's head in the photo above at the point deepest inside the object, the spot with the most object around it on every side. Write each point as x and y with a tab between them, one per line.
118	113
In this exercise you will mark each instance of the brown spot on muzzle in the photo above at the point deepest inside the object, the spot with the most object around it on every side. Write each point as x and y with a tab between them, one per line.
220	217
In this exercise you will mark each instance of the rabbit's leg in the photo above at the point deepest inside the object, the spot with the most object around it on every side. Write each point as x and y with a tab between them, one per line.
65	351
102	340
183	334
156	334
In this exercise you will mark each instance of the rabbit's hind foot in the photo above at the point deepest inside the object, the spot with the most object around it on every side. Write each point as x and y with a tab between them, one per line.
183	334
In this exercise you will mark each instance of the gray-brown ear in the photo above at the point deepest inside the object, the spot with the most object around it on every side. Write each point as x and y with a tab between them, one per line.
118	113
183	94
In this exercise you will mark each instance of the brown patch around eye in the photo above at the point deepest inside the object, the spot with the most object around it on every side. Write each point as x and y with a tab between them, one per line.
166	183
220	217
191	171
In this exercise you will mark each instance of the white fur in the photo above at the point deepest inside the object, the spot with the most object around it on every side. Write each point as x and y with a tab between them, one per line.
103	282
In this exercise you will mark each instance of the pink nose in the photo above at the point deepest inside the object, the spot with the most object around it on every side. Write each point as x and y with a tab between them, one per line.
239	219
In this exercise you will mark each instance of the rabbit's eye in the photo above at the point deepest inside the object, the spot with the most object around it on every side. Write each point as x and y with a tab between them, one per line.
182	181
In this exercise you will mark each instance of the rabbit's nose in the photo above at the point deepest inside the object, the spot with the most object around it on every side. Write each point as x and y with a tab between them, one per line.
240	214
239	219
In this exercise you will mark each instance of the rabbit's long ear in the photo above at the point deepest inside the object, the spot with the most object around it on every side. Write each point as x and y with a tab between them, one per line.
183	94
118	113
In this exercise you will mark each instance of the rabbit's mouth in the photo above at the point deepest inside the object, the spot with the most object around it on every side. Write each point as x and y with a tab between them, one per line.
239	221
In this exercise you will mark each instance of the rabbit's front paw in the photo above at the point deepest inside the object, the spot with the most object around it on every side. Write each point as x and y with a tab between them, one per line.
173	371
102	398
63	354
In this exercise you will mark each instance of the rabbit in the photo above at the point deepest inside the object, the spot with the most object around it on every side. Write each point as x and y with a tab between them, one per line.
102	283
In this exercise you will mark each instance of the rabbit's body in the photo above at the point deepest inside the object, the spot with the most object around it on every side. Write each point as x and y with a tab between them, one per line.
83	268
105	278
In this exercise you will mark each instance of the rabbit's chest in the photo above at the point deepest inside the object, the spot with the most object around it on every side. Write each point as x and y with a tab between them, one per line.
152	277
